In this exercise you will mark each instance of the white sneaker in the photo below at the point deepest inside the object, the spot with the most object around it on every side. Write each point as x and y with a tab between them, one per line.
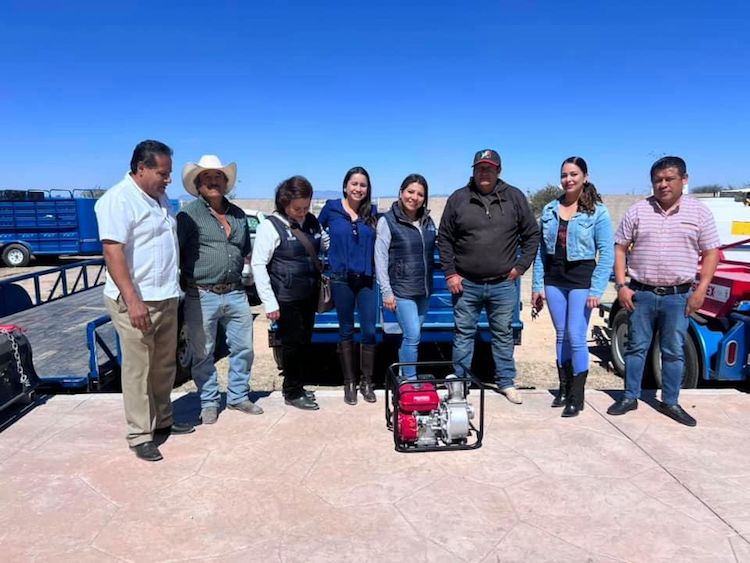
512	394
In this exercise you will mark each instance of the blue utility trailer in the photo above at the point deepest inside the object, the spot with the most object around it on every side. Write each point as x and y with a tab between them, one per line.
53	222
438	327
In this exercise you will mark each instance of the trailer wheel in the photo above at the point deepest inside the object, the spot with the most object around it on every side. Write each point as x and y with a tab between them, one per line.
619	341
691	376
16	256
184	358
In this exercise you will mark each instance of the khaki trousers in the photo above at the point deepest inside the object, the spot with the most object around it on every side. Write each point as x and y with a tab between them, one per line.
148	367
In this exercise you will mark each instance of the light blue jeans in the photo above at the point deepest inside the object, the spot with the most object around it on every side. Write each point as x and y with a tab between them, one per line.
500	300
570	315
410	314
667	314
204	311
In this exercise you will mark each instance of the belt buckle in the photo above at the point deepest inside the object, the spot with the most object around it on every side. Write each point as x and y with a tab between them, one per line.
221	288
660	290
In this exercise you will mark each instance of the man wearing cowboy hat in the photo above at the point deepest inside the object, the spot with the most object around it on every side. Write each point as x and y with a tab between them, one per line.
214	240
138	232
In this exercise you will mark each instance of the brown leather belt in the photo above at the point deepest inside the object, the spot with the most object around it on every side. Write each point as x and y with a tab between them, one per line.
660	289
219	288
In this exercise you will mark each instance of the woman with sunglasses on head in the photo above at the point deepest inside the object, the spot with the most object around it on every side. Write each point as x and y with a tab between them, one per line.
350	223
404	254
575	228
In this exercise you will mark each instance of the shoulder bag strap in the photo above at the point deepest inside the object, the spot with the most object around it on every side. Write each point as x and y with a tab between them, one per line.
309	247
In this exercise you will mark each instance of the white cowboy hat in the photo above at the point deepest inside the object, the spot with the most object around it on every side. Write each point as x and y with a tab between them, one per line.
207	162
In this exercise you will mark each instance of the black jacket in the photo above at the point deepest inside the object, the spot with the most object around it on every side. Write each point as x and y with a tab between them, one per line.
483	243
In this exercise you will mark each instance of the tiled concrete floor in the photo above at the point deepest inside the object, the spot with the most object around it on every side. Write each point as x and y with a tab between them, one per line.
328	486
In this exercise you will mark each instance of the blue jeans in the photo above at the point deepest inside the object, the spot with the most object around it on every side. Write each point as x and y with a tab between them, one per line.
570	315
667	314
350	291
410	315
500	300
204	311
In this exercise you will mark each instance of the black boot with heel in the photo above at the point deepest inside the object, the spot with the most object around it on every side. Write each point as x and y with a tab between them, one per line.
563	375
575	399
345	351
367	365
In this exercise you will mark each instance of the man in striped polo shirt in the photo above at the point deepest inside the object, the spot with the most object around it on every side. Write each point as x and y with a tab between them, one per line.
214	240
663	237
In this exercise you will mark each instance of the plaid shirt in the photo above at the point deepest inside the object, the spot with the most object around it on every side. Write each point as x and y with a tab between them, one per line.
664	246
207	255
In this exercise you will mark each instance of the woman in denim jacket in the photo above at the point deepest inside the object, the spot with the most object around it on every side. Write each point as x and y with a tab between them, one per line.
575	228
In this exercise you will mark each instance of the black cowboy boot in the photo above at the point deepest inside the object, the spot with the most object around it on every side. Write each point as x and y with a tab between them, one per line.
575	399
367	365
563	375
345	350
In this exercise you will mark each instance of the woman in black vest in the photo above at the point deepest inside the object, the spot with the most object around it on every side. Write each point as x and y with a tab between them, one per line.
404	251
287	280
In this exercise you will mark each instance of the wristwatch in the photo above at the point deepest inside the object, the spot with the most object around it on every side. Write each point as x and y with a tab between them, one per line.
619	286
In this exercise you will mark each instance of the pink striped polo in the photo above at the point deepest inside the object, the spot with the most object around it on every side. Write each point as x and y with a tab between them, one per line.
666	246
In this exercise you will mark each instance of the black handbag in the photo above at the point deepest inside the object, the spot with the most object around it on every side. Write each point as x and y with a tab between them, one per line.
325	295
252	294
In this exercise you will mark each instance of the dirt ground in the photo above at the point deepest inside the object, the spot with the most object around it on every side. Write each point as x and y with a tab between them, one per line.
535	357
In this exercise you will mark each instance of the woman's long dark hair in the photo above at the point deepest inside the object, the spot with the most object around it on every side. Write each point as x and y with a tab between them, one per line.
414	179
589	195
365	208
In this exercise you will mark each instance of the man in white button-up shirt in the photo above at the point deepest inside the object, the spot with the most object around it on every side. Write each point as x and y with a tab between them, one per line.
139	234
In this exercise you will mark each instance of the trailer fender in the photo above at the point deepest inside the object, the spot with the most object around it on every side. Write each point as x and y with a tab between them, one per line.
707	342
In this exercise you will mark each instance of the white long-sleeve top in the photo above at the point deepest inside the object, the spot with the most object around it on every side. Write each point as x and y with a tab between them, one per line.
267	240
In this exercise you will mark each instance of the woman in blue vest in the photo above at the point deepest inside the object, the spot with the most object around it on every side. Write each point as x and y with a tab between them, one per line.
576	229
287	280
350	223
404	252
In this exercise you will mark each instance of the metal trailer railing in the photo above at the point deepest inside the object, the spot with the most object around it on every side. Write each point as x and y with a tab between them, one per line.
24	291
27	291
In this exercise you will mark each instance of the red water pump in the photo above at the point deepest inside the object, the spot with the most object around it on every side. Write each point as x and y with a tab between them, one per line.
430	414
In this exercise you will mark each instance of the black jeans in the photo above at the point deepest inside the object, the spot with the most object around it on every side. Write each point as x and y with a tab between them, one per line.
296	319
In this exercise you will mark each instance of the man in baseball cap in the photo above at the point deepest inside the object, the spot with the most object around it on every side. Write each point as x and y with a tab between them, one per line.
487	156
488	238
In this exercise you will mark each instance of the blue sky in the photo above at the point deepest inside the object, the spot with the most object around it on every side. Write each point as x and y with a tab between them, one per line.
401	86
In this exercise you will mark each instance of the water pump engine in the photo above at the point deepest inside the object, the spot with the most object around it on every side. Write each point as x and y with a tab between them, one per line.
433	414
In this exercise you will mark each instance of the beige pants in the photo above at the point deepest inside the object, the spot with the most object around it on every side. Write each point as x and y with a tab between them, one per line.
148	367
